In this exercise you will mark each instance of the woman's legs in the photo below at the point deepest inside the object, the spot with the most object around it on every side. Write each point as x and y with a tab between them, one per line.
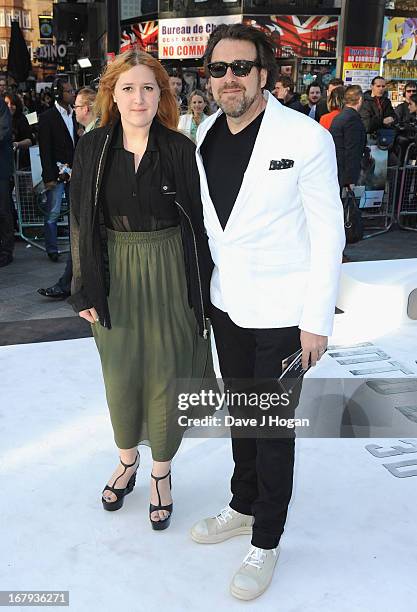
128	456
160	468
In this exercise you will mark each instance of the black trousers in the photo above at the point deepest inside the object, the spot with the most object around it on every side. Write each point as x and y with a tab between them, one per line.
6	219
263	475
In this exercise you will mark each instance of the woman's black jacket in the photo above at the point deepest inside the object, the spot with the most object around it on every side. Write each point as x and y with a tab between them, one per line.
179	180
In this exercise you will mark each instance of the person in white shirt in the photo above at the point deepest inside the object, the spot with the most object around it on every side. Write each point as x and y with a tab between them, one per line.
198	111
57	140
86	117
274	222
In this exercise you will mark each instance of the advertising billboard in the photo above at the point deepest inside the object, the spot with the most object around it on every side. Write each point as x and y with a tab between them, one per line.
187	38
399	40
299	35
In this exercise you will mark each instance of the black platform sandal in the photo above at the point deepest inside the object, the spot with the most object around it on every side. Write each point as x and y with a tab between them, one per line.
164	523
120	493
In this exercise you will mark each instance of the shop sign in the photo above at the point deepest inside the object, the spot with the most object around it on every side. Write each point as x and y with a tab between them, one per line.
361	65
187	38
51	53
362	58
45	27
316	70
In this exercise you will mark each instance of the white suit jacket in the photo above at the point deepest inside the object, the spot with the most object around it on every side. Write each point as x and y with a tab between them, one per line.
277	262
184	123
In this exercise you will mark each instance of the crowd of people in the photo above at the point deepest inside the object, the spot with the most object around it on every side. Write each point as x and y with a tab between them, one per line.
194	105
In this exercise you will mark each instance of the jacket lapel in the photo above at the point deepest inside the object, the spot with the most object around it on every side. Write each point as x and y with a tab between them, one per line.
210	213
64	126
256	163
253	171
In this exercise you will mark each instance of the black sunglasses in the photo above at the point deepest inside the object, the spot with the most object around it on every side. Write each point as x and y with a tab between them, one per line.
240	68
411	90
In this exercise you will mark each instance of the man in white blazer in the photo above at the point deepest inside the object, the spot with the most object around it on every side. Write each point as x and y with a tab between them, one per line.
274	222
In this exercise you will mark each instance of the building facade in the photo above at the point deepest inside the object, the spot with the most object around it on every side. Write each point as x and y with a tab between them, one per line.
28	14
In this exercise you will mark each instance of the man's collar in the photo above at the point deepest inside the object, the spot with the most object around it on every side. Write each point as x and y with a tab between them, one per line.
63	110
152	139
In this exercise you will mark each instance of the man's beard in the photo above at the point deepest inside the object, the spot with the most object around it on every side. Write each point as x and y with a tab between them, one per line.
236	108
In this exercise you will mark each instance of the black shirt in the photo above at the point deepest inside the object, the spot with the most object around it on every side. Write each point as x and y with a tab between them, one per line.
140	202
21	131
226	157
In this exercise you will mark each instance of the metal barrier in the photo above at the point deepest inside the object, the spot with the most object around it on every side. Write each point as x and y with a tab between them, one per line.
30	205
380	219
407	198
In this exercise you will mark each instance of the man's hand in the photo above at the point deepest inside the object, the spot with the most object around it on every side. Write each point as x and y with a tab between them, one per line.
388	120
50	185
313	348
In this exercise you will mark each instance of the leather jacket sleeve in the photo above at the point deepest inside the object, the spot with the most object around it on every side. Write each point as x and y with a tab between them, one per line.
78	300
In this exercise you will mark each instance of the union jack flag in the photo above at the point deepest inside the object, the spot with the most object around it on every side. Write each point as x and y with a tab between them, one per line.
143	36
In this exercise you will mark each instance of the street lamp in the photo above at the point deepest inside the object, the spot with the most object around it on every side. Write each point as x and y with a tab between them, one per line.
84	63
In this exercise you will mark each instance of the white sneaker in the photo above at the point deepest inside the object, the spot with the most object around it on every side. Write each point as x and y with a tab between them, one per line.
225	525
255	573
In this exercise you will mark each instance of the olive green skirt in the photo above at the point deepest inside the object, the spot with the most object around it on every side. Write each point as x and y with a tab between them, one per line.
154	344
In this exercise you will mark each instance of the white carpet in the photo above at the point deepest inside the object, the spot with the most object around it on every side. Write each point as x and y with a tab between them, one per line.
350	543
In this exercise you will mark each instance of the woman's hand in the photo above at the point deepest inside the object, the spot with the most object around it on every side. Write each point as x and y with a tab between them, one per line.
89	315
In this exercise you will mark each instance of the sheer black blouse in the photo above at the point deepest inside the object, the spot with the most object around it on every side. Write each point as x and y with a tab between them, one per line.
140	202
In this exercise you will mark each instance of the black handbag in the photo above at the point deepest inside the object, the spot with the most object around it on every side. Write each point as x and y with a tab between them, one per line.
352	218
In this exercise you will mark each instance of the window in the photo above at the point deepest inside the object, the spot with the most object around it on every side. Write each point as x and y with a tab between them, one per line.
130	8
16	16
2	18
3	49
26	18
9	19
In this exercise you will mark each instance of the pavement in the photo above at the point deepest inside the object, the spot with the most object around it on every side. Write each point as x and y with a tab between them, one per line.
26	316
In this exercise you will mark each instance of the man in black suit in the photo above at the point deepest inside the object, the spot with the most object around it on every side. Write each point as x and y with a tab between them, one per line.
57	140
6	170
349	136
86	117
